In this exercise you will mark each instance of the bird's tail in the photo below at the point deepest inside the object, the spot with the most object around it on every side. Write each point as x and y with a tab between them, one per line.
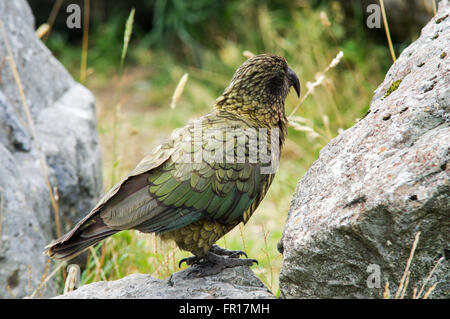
85	234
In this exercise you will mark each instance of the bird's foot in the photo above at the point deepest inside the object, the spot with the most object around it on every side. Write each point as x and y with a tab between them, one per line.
225	252
212	263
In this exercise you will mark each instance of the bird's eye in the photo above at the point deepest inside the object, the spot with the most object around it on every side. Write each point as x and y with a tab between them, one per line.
275	85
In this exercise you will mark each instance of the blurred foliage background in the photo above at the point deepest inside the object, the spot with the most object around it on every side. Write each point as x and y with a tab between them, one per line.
206	39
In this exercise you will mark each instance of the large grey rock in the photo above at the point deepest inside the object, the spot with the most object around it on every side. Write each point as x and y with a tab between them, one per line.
377	184
63	113
236	283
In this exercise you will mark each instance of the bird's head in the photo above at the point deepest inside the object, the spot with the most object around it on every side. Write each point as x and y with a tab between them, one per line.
259	87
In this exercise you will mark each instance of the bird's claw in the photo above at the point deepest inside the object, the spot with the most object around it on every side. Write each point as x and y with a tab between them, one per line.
238	254
189	261
215	261
225	252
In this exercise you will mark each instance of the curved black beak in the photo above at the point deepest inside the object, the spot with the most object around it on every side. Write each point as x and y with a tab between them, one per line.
293	81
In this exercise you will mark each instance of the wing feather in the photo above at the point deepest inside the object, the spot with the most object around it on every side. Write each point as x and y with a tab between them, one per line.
170	194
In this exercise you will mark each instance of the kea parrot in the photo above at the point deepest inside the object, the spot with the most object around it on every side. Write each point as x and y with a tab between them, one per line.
208	177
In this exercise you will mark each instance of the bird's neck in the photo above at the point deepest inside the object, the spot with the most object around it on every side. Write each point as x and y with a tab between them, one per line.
260	114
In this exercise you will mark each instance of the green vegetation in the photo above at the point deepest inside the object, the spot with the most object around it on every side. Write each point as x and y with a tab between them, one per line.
207	42
394	86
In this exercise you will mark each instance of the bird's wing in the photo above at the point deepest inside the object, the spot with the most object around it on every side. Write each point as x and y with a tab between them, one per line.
136	180
180	188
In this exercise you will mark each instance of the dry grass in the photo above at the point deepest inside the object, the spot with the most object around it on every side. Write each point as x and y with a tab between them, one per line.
404	281
405	278
298	122
388	33
117	103
178	90
42	162
85	43
51	19
12	64
45	277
